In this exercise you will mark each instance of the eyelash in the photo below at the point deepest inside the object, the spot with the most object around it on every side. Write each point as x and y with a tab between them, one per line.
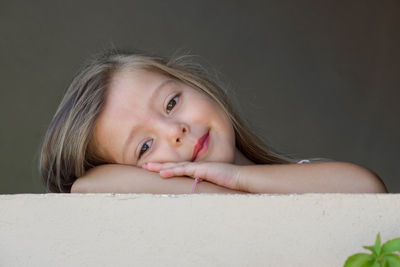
141	152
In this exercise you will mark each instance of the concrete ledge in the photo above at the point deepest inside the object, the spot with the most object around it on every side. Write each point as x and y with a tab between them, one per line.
192	230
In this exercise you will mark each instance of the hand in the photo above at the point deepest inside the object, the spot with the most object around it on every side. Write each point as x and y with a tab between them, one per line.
223	174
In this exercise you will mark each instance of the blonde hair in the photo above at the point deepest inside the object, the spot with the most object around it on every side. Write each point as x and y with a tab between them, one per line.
67	150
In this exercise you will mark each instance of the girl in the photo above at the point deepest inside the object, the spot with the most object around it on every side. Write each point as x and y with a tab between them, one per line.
135	123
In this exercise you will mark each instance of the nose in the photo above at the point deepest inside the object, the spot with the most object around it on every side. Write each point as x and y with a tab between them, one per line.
176	132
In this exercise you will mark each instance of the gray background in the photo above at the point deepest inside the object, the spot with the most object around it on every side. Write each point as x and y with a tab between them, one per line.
314	78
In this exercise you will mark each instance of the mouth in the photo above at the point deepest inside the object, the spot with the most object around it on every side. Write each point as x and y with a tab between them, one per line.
201	146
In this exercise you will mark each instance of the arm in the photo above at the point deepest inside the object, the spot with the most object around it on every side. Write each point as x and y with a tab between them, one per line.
114	178
327	177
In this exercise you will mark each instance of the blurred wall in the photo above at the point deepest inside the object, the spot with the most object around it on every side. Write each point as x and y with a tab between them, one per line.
314	78
309	230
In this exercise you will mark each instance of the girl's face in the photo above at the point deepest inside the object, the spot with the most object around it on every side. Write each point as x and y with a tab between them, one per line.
149	117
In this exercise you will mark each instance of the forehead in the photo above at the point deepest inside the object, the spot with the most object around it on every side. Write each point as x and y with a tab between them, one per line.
134	83
131	94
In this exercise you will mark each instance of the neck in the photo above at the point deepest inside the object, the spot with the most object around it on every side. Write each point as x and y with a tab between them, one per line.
240	159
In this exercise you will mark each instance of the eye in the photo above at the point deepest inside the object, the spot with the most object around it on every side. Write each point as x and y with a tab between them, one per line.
144	148
172	103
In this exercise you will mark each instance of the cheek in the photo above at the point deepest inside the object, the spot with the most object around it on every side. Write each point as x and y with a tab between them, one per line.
212	111
222	151
224	139
165	154
107	142
220	121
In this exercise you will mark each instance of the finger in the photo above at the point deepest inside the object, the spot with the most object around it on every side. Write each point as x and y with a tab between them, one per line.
167	173
185	170
157	166
152	166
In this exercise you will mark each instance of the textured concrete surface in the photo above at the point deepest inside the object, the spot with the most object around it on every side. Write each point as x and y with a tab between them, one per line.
192	230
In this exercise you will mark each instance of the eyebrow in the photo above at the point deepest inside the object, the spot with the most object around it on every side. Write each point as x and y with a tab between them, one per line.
134	128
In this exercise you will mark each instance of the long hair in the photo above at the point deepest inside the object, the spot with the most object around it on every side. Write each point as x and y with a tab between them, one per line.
67	150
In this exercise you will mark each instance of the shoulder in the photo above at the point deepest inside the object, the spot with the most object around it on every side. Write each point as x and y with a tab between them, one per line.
370	180
375	182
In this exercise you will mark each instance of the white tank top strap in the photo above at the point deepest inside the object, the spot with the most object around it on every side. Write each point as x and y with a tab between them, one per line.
314	160
303	161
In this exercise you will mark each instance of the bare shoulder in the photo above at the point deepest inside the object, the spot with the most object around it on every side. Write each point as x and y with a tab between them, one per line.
368	177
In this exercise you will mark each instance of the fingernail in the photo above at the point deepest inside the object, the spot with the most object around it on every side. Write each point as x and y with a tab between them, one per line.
144	166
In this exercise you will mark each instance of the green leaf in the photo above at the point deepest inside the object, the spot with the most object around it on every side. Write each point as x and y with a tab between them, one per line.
360	260
392	260
391	246
377	245
371	249
384	263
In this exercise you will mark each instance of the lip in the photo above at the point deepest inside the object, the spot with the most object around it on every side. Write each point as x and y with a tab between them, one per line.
201	146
